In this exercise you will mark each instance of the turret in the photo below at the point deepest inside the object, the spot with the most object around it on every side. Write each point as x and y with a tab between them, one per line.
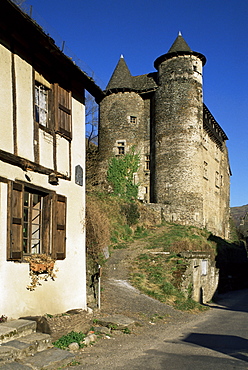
178	121
121	117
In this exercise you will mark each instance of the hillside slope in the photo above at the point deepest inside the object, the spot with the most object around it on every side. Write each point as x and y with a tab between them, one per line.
238	212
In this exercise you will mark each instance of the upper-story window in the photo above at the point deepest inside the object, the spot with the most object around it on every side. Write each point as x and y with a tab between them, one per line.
41	104
58	116
133	119
121	147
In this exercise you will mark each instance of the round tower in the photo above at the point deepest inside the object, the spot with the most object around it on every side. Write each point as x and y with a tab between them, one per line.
178	124
121	125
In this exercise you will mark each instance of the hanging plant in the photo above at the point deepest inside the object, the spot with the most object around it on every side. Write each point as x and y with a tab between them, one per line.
41	267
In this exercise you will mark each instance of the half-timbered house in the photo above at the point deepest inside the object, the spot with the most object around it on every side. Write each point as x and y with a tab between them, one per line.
42	164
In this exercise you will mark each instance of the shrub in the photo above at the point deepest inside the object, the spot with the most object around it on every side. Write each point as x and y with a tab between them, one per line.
120	174
97	229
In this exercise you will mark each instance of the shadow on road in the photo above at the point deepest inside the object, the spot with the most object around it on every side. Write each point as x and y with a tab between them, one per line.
231	345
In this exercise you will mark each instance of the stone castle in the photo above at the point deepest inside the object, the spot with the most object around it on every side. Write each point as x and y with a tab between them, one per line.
184	166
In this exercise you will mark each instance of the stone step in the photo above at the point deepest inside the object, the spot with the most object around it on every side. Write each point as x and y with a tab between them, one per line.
50	359
16	329
26	346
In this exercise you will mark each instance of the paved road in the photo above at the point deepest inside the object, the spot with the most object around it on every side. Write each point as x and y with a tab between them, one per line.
216	340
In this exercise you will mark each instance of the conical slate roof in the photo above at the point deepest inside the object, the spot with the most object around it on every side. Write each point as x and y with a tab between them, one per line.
121	78
179	45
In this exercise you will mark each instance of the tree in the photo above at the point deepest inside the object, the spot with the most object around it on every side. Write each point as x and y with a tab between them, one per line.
91	118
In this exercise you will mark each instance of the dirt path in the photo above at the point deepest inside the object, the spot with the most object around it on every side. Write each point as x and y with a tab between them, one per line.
156	320
120	297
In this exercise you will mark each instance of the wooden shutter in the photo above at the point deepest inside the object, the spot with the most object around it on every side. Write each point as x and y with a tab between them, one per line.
59	229
15	224
62	103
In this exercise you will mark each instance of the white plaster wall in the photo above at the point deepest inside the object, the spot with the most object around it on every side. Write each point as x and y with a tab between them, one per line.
69	288
46	149
24	99
63	159
6	110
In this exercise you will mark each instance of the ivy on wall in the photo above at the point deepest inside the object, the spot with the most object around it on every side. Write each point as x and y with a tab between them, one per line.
120	174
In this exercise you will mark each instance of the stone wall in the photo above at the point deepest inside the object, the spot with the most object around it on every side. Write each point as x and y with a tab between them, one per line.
200	280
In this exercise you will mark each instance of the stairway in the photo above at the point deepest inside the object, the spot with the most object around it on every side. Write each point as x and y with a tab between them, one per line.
22	348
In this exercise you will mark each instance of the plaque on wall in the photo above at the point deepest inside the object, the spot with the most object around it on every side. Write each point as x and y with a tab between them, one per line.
79	175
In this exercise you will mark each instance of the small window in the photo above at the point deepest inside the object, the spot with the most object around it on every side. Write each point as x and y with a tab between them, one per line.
147	162
217	179
121	147
133	119
41	104
221	180
205	170
205	141
204	267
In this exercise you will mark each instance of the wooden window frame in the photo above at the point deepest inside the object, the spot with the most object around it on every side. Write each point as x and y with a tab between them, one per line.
49	126
53	230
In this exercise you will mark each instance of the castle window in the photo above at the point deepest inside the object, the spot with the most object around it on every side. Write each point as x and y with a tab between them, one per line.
205	141
216	153
217	179
147	162
133	119
121	147
205	170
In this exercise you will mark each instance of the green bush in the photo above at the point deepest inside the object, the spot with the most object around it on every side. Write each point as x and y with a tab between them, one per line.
69	338
120	174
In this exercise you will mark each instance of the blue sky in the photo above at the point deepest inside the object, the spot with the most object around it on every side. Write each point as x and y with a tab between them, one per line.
99	31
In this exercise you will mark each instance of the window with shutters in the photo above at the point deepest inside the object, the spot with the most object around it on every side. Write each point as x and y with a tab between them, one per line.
32	222
42	109
36	222
62	102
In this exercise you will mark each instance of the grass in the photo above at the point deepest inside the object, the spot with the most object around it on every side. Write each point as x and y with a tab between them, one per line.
159	277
